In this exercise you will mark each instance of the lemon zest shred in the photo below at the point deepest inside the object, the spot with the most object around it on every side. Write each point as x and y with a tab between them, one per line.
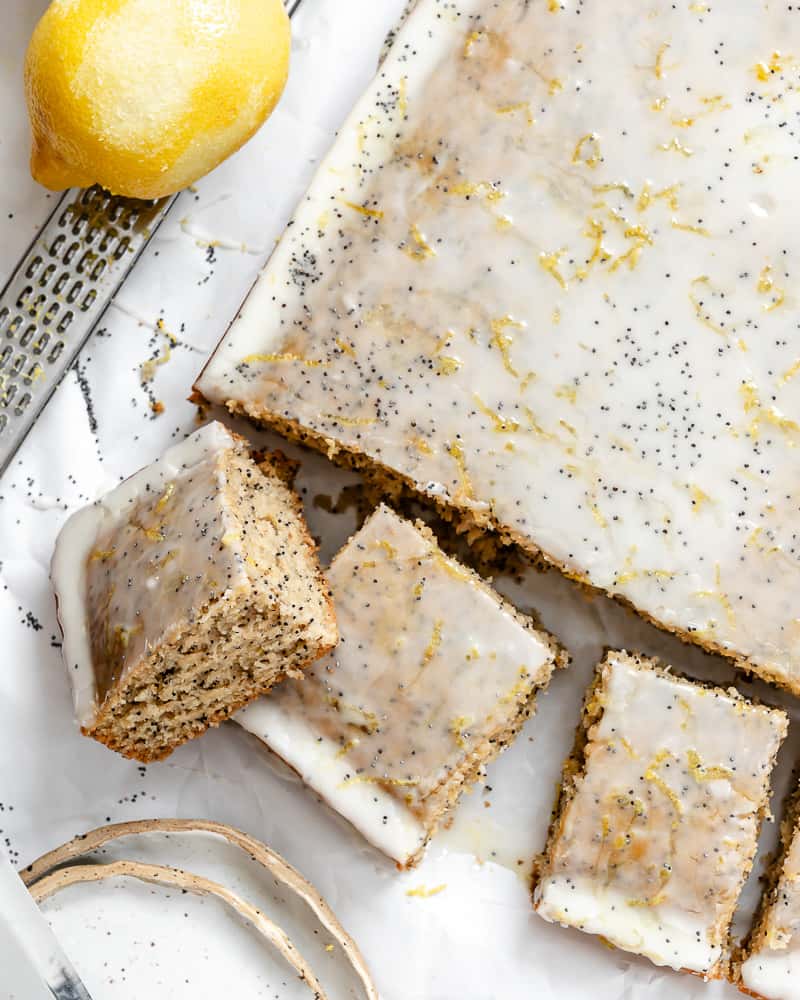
435	642
676	146
472	38
594	157
503	425
448	365
503	342
148	368
568	392
337	418
456	452
699	497
344	347
458	727
101	555
422	250
619	186
597	514
655	778
766	286
422	893
688	228
702	316
372	213
165	497
790	372
702	772
402	96
658	67
373	779
286	356
510	109
549	262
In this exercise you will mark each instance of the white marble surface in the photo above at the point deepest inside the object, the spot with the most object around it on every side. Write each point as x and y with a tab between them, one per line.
478	938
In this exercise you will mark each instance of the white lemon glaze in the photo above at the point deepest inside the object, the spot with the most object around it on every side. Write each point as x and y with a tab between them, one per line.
772	968
548	272
652	849
150	552
773	974
431	668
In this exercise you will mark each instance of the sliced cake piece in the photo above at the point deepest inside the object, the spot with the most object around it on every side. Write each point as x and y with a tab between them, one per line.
659	812
433	677
185	593
770	964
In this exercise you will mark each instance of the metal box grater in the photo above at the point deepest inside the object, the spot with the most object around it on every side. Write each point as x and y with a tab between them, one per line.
58	292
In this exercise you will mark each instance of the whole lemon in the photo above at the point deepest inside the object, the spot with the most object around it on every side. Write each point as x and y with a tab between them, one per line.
145	96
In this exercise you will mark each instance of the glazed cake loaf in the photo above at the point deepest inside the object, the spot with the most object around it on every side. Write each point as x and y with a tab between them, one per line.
185	593
656	827
770	964
545	277
433	677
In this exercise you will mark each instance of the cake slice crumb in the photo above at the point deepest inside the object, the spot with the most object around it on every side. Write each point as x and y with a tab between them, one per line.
185	593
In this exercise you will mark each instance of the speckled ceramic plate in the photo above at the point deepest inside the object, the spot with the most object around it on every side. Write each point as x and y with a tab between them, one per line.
130	939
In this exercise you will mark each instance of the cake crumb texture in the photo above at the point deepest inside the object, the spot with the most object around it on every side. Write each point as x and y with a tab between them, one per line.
186	593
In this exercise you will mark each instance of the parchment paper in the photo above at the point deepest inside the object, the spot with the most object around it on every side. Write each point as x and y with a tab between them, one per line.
478	938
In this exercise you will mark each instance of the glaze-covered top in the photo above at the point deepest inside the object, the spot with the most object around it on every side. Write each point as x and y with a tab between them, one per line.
548	273
142	561
430	665
773	967
652	849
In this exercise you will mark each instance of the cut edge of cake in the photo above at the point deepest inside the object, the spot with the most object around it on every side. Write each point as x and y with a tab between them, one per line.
399	833
576	763
239	644
476	523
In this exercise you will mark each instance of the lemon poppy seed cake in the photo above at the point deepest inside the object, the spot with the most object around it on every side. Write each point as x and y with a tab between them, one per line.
656	827
433	676
770	964
545	277
185	593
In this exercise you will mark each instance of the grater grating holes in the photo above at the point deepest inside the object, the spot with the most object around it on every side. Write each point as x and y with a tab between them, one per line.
33	267
41	344
55	354
46	275
66	319
52	312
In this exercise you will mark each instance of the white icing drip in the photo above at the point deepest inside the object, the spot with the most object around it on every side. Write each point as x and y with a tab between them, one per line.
430	666
78	538
652	848
773	974
667	935
773	967
377	814
602	247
